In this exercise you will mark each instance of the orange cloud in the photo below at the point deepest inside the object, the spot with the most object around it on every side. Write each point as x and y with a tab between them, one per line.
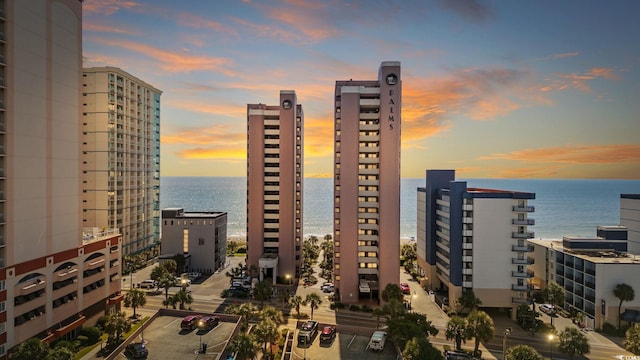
198	22
108	7
214	142
565	55
580	81
172	61
88	26
575	154
207	107
318	136
213	153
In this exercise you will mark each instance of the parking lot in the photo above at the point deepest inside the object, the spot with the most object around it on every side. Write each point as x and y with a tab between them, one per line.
165	340
344	347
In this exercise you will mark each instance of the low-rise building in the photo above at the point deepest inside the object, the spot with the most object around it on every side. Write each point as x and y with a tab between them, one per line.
200	236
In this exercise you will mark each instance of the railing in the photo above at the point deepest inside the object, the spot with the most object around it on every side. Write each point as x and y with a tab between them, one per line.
523	222
527	274
527	261
528	208
525	248
523	235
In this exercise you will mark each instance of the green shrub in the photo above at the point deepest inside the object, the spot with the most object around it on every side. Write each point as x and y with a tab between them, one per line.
354	308
84	341
241	250
65	344
102	322
92	333
367	308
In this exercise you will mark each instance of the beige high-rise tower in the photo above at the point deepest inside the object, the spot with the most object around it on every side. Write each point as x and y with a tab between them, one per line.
275	188
121	156
367	184
54	276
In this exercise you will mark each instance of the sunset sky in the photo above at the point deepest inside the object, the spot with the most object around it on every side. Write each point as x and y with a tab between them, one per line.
497	89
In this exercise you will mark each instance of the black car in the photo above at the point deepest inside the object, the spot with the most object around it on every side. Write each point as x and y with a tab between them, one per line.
136	351
208	322
457	355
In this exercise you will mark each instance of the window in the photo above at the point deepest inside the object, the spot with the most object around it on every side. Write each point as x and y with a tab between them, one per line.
185	240
201	241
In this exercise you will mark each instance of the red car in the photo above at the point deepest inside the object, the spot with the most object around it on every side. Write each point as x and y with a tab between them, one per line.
328	334
405	288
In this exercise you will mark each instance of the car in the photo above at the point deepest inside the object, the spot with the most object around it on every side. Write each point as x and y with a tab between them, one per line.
457	355
136	351
406	289
377	341
208	322
328	334
327	287
193	276
307	332
190	322
148	284
547	309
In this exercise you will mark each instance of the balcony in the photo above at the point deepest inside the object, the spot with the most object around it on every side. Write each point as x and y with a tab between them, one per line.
527	261
528	274
522	248
523	235
525	287
517	300
524	208
523	222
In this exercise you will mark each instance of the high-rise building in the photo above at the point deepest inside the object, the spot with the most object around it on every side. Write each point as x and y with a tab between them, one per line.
53	275
630	217
367	184
121	156
201	237
275	188
474	239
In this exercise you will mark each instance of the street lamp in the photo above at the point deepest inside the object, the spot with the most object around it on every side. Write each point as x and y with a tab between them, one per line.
131	273
551	337
507	332
200	326
288	279
410	300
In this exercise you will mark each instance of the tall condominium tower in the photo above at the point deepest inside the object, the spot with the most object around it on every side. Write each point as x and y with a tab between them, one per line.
367	184
275	188
121	156
53	275
475	239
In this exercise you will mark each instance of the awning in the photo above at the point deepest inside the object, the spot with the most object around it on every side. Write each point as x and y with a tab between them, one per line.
68	328
629	315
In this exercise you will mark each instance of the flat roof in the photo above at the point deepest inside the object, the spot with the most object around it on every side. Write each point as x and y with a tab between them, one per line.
595	256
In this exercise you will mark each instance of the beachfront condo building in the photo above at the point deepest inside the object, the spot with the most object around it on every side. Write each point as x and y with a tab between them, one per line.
630	217
366	216
473	239
275	188
53	275
121	157
201	237
589	268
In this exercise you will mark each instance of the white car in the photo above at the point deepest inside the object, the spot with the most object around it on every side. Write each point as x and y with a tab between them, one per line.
377	340
327	287
147	284
547	309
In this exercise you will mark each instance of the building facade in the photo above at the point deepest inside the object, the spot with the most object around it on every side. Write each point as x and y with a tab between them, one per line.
275	188
367	184
200	236
474	239
121	156
630	218
53	275
589	268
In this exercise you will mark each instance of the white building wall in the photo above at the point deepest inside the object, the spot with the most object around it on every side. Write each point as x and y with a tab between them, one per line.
492	248
421	227
630	217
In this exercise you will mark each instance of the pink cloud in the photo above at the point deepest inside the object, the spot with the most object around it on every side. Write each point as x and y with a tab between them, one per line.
575	154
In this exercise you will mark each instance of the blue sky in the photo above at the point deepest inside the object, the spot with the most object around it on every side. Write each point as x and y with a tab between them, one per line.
510	89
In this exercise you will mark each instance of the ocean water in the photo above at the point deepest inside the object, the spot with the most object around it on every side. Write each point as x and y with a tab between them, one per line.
563	207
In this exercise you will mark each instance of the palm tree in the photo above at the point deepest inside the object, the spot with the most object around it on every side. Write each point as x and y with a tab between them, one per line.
457	331
468	300
244	346
166	282
313	300
272	314
61	353
480	326
522	352
117	324
182	297
624	292
632	340
246	311
135	298
296	301
378	312
262	292
572	342
266	332
392	291
554	294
